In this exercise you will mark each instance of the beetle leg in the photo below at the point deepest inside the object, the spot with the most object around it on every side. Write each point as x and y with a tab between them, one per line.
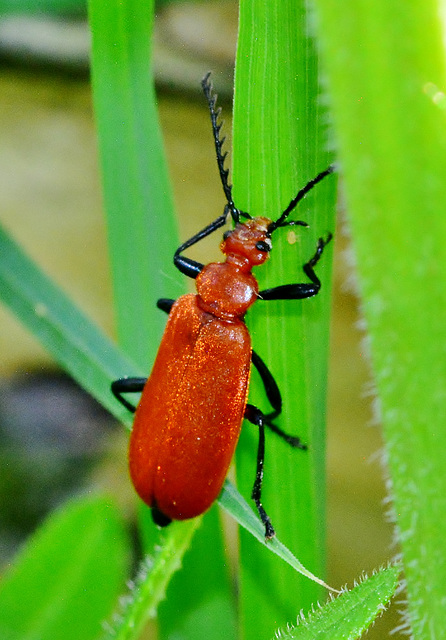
293	441
136	385
255	416
165	304
159	518
188	267
273	393
127	385
301	290
271	389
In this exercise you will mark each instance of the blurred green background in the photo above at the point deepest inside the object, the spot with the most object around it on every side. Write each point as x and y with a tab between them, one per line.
54	439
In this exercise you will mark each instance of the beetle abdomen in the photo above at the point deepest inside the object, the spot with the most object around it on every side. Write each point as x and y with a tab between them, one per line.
188	420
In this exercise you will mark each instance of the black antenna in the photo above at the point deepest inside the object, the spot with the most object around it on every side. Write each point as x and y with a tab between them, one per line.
280	222
211	97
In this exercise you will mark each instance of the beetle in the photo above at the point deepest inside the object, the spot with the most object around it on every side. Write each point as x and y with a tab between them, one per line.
188	420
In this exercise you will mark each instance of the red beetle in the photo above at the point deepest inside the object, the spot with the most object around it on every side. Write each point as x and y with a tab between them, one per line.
192	406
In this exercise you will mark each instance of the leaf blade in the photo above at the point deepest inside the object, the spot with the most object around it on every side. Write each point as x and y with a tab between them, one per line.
137	195
395	192
279	144
350	614
68	576
71	338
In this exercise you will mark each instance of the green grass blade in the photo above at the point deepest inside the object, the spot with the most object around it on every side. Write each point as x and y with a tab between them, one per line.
279	144
385	67
155	574
208	609
58	7
137	194
239	509
71	338
150	585
348	616
68	576
142	236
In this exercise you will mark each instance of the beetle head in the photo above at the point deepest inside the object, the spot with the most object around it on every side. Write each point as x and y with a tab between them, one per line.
250	240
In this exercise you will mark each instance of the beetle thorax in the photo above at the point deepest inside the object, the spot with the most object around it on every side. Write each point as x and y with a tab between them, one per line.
228	289
225	291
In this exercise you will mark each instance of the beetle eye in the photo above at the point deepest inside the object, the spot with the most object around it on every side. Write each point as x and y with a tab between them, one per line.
263	246
227	234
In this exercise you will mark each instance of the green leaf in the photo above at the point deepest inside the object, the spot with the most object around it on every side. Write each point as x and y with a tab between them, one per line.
67	578
142	239
37	7
137	194
385	68
71	338
239	509
150	584
279	144
155	572
349	615
186	612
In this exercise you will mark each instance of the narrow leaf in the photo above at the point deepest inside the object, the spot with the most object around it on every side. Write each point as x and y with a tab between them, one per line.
71	338
137	194
385	68
142	240
239	509
67	578
349	615
150	585
280	144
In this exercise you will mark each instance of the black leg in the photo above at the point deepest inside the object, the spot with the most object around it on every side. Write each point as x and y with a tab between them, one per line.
273	394
165	304
256	417
301	290
188	267
159	518
260	419
271	389
136	385
127	385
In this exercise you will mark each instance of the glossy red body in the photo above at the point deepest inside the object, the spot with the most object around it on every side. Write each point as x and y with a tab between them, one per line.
191	410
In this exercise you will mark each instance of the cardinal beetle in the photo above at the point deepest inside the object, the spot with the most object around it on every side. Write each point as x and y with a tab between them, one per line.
189	417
